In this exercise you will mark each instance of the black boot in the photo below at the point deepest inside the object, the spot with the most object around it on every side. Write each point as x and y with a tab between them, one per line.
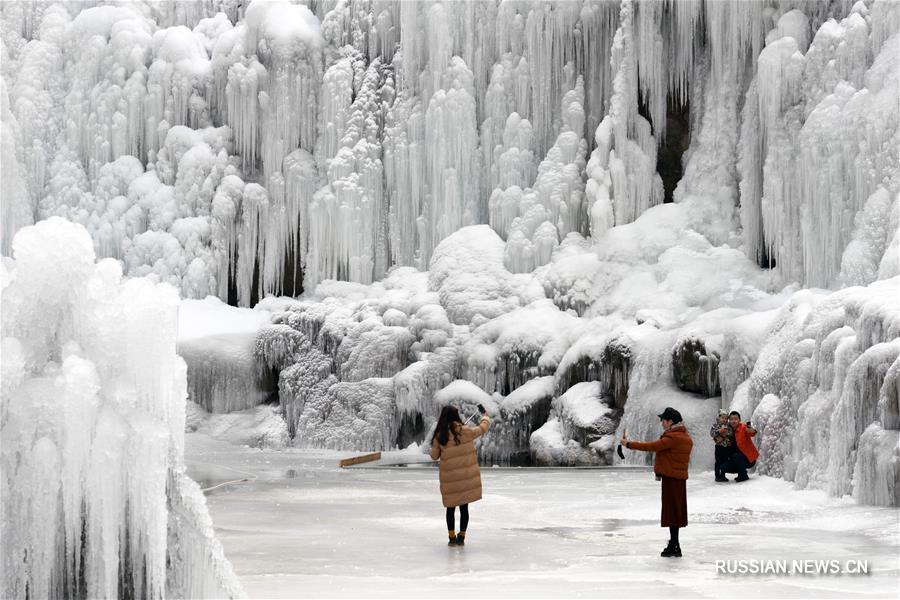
672	550
461	538
721	478
743	477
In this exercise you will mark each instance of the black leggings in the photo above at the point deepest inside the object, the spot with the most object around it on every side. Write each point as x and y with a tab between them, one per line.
463	517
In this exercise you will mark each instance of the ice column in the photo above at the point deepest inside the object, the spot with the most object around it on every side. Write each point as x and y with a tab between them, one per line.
93	429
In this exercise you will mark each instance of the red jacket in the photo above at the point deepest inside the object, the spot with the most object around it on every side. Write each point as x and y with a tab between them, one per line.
744	441
673	452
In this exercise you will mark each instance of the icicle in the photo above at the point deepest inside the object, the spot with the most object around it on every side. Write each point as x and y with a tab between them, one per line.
451	143
242	92
252	240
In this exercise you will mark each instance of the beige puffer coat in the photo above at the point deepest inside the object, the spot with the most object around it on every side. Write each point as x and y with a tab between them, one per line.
459	473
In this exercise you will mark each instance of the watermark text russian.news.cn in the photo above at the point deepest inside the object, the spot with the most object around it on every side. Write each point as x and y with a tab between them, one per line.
811	566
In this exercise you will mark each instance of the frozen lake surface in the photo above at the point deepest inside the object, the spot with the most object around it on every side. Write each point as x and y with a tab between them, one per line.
302	527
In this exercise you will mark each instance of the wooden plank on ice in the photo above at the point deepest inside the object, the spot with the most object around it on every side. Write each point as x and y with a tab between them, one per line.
360	459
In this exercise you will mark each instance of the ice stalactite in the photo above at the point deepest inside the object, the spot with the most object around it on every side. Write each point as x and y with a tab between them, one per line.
414	390
553	208
252	240
225	379
370	27
598	27
875	226
507	139
807	100
306	380
34	98
404	174
347	226
876	477
350	416
371	349
709	188
623	165
522	412
514	171
855	410
93	427
242	109
451	144
889	398
549	47
287	39
329	396
735	32
18	209
829	362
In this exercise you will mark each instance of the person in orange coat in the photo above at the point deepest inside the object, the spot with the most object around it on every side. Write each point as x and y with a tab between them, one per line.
745	457
454	444
673	453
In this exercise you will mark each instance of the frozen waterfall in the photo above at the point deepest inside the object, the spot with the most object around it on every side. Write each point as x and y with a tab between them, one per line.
465	202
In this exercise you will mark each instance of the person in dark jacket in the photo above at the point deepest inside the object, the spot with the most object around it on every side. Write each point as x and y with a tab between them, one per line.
745	456
673	454
723	437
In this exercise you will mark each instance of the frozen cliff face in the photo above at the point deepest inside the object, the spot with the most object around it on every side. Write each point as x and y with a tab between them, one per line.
95	500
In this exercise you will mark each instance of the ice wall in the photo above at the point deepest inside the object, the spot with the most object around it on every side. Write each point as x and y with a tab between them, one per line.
95	500
402	122
823	390
217	343
798	197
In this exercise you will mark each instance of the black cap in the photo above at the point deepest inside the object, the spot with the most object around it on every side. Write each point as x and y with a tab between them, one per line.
671	414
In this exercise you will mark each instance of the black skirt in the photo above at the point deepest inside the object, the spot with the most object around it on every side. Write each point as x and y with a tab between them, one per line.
674	502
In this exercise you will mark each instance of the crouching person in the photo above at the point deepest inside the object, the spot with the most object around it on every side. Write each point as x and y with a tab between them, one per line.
673	453
454	445
745	456
723	437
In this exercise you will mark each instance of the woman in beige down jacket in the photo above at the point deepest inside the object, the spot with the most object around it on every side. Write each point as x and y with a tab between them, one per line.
454	444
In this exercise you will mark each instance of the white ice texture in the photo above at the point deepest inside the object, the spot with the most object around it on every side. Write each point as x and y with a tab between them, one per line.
95	500
471	191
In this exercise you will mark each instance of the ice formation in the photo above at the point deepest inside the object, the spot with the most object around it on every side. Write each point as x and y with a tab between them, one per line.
479	191
217	343
95	498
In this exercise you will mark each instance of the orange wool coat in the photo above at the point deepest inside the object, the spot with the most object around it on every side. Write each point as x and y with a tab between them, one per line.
673	452
459	473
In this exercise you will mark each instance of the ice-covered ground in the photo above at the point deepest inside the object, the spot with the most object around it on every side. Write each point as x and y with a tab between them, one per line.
302	527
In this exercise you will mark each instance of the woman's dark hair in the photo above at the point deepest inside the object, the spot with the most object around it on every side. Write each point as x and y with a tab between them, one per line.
449	415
